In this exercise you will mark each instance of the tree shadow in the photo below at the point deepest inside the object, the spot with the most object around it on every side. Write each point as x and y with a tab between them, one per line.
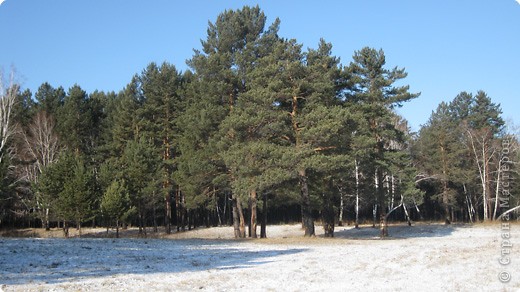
398	231
54	261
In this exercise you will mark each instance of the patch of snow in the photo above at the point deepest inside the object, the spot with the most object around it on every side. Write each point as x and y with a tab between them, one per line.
423	257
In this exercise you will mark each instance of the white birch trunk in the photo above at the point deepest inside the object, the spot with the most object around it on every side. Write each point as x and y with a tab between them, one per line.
341	206
482	171
407	215
469	203
374	210
497	188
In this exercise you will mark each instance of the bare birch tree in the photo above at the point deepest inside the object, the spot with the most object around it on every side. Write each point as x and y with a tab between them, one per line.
38	148
484	150
41	142
7	100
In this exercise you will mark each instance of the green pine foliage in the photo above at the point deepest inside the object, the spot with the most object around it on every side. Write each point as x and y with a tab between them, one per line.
69	189
115	204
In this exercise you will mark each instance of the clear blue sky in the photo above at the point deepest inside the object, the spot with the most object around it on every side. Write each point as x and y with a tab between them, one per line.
446	46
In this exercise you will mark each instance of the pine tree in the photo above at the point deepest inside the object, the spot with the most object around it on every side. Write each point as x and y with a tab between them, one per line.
76	201
24	108
482	129
115	203
68	188
317	128
374	95
49	99
441	155
250	135
140	168
75	121
125	119
223	67
161	89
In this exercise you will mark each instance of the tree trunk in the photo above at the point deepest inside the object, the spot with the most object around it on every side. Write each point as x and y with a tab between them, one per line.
236	220
187	216
307	220
117	228
384	218
445	194
65	229
379	194
470	209
468	203
497	188
178	208
483	170
447	213
154	215
407	215
374	215
392	181
383	225
140	218
357	193
341	206
142	224
217	209
168	217
242	225
263	225
417	209
247	215
485	188
47	224
253	197
224	212
167	182
389	191
328	217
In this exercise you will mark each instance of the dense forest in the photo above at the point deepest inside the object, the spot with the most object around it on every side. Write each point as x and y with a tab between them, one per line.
258	131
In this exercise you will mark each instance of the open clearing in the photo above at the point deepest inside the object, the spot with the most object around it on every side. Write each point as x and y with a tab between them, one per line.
425	257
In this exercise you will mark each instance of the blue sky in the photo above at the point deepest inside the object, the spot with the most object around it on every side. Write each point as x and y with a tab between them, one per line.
446	46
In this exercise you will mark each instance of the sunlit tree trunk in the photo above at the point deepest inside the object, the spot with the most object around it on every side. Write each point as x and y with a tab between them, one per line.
253	197
341	207
471	209
497	187
483	152
357	193
242	224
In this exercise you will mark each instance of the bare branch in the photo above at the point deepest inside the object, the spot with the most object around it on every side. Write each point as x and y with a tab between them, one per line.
317	149
507	212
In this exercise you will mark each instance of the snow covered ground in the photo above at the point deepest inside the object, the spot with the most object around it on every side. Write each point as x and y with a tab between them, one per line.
425	257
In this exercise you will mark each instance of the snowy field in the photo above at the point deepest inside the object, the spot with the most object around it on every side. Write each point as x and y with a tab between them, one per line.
425	257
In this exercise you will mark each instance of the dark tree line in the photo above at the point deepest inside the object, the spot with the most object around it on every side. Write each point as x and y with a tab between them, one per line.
258	128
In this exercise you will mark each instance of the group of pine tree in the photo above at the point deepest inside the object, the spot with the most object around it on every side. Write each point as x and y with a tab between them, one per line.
259	129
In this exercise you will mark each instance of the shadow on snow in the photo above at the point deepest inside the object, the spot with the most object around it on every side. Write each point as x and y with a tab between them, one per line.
399	231
65	260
